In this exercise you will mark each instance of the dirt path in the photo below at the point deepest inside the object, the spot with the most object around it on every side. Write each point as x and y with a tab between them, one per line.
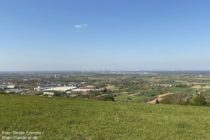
159	98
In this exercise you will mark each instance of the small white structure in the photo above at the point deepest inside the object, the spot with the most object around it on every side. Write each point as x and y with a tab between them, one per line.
68	92
11	86
38	88
49	93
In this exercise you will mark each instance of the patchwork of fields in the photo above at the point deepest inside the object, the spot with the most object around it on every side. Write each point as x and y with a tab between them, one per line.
65	118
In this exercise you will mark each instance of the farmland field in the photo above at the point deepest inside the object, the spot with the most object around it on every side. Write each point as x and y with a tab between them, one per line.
65	118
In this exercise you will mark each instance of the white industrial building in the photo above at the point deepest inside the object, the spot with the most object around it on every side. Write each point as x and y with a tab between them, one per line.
61	88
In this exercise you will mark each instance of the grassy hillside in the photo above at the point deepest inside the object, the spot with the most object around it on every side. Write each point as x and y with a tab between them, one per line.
63	118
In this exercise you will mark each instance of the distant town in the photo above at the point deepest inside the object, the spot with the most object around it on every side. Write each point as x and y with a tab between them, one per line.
115	86
45	84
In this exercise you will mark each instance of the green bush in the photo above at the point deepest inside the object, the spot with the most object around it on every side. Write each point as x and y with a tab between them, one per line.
107	98
199	100
182	99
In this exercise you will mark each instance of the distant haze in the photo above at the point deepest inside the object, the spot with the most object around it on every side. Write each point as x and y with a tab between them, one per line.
104	35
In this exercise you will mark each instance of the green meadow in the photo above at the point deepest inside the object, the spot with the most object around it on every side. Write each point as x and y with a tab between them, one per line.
77	119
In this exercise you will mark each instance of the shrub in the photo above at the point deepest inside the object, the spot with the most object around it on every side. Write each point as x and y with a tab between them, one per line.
199	100
207	96
59	94
129	98
182	99
107	98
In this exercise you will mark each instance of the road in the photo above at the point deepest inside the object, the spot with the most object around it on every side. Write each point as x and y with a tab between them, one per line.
159	98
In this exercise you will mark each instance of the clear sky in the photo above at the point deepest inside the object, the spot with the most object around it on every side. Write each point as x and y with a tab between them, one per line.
104	35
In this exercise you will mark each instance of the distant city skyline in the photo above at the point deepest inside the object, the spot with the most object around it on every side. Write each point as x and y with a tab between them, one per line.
100	35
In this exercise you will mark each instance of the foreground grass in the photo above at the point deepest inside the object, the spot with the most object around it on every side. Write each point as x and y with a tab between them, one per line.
63	118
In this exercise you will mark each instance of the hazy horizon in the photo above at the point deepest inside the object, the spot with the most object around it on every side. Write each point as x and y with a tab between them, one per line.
92	35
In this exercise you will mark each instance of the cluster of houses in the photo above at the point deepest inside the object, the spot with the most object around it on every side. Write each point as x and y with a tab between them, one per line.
11	88
67	89
7	86
51	89
162	85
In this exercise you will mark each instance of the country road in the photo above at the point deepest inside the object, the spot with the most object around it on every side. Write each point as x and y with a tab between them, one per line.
159	98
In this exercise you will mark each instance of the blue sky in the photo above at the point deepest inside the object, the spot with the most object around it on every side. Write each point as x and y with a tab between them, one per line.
104	35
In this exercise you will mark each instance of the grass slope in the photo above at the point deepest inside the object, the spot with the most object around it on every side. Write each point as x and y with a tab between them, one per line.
63	118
